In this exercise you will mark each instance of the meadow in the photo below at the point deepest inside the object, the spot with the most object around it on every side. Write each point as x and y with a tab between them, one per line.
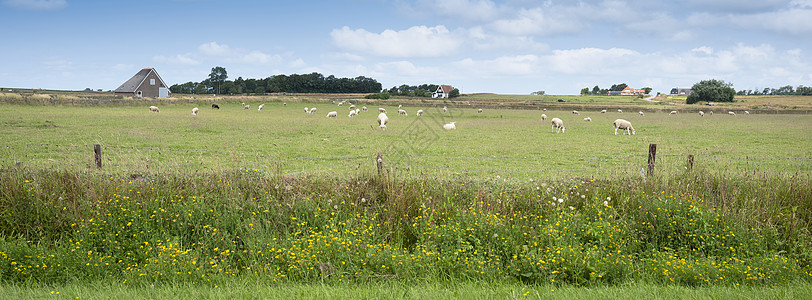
500	207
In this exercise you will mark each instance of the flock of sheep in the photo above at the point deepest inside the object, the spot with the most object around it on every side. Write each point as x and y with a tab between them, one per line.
556	123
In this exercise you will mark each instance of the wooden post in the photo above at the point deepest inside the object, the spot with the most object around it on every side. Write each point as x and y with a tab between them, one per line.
652	156
97	151
690	161
380	162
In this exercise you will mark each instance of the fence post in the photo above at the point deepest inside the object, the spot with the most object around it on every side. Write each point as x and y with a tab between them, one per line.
380	162
97	151
690	161
652	155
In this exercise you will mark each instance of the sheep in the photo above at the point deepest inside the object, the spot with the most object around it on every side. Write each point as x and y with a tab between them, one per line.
419	112
731	113
450	126
353	113
364	108
341	103
261	106
711	113
746	112
673	112
641	113
332	114
588	119
154	108
543	117
701	113
620	111
285	104
382	120
623	124
557	125
402	112
352	107
381	110
357	111
245	107
400	106
215	106
307	110
312	110
544	109
479	111
603	111
194	111
575	112
445	109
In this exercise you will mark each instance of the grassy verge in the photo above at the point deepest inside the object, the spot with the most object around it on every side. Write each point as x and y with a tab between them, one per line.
692	230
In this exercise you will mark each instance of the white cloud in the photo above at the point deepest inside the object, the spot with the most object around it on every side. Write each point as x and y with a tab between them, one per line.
298	63
470	10
212	48
593	61
36	4
538	21
793	21
417	41
180	59
504	65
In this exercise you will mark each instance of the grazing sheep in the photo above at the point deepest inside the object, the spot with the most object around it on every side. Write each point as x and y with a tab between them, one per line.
419	112
245	107
603	111
445	109
701	113
400	106
352	107
625	125
402	112
307	110
711	113
673	112
154	108
588	119
353	113
544	109
381	110
543	117
382	120
450	126
558	125
746	112
285	104
641	113
575	112
479	111
194	111
312	110
261	106
215	106
341	103
620	111
357	111
364	108
332	114
731	113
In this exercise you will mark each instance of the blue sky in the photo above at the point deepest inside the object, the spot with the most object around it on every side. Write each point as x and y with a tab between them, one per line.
508	47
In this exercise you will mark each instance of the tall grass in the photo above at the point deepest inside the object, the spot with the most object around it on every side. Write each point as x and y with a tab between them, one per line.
690	230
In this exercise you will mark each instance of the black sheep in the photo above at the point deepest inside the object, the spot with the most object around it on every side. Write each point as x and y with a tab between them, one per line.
215	106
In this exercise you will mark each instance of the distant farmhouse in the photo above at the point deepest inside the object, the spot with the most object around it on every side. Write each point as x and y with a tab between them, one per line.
680	92
442	91
628	91
145	83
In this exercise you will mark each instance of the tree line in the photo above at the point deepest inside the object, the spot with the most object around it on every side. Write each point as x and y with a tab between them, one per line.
217	83
596	90
784	90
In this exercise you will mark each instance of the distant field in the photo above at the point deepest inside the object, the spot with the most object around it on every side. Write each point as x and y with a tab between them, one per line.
503	142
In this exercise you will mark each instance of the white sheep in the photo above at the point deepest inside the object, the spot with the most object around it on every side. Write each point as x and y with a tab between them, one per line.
479	111
673	112
558	125
445	109
307	110
261	106
731	113
382	120
603	111
357	111
623	124
544	109
588	119
620	111
332	114
381	110
575	112
450	126
194	111
402	112
543	117
285	104
312	110
400	106
154	108
419	112
711	113
353	113
641	113
364	108
341	103
352	107
701	113
746	112
245	106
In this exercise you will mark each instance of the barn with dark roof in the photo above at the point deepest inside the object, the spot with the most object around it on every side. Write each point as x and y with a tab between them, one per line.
145	83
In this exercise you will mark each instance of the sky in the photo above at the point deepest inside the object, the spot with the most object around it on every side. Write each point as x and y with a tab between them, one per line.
477	46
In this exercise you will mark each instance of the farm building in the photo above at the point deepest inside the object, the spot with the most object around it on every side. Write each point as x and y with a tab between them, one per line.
680	92
442	91
145	83
632	91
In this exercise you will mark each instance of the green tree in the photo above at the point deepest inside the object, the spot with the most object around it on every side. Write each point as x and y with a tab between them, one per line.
585	91
618	87
647	90
711	91
454	93
217	76
596	90
540	93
